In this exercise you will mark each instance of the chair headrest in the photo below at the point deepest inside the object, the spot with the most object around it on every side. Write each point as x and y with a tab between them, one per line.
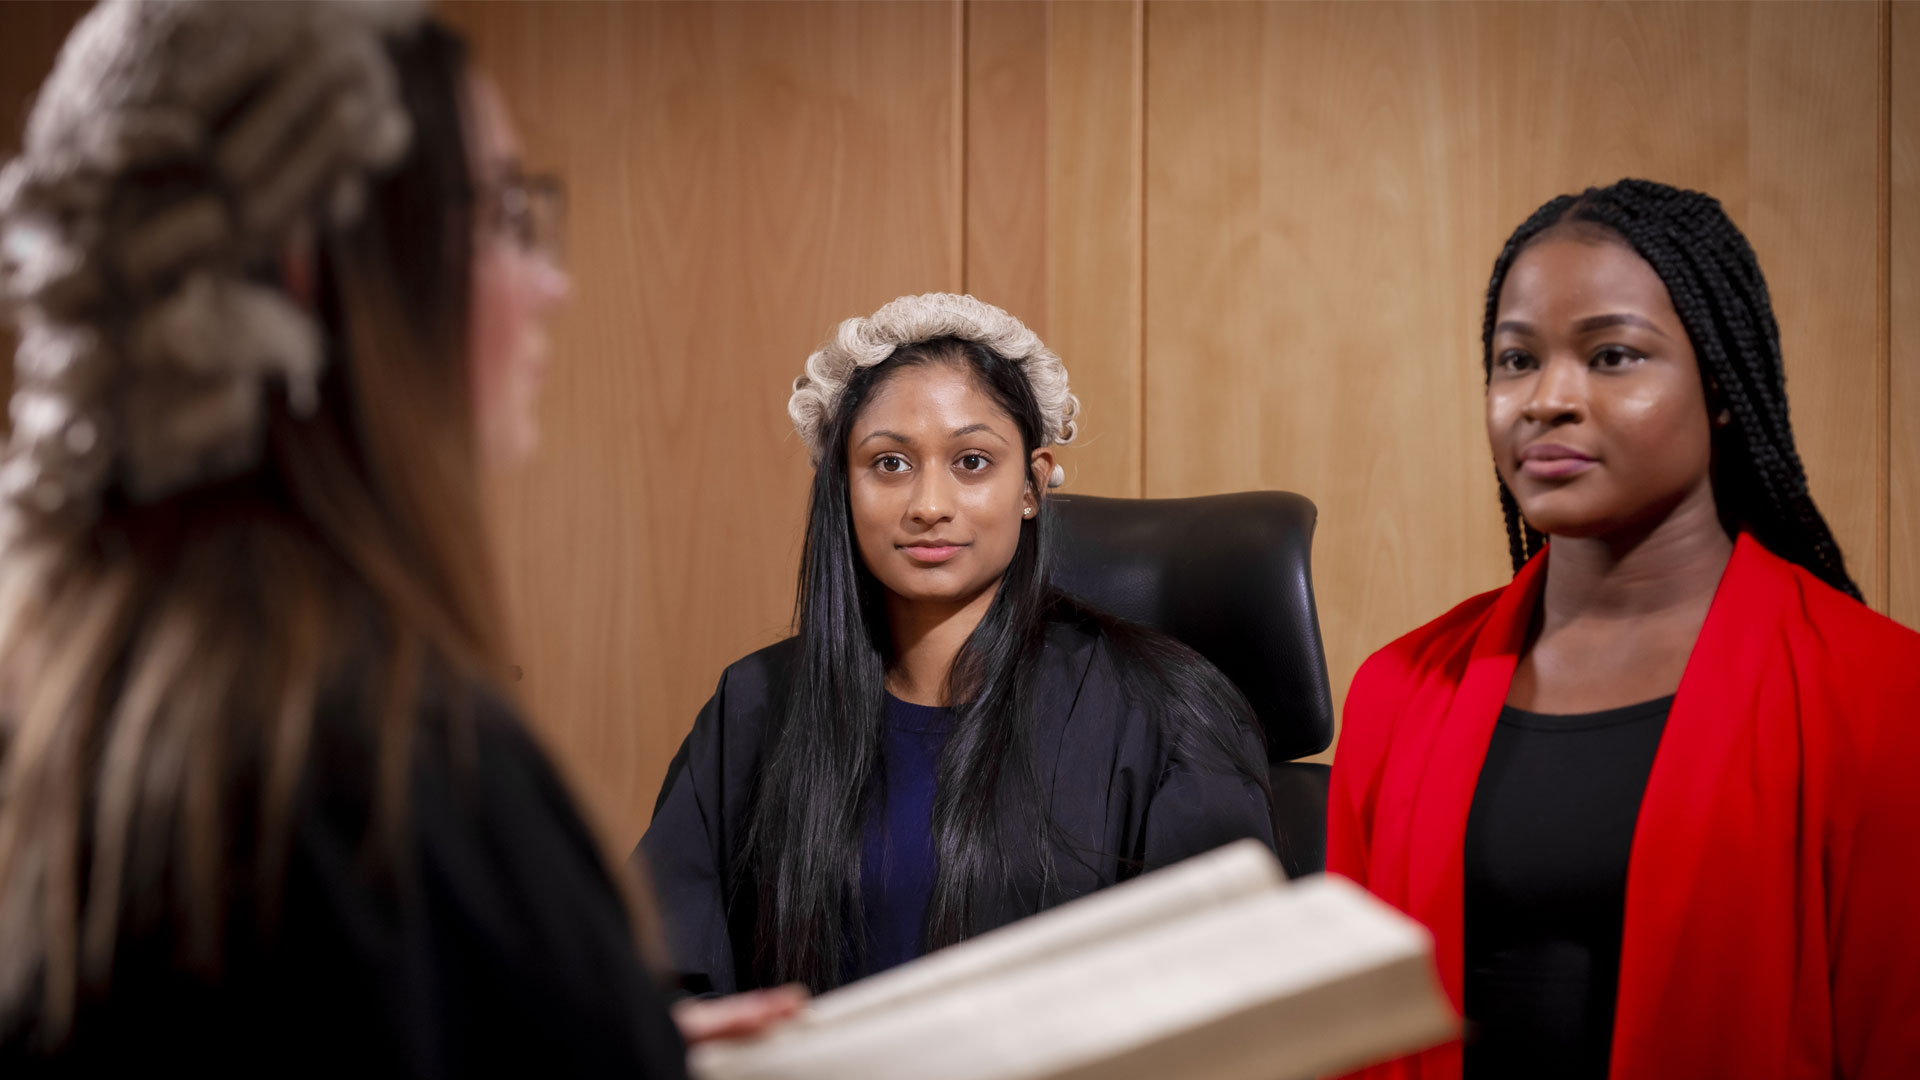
1228	575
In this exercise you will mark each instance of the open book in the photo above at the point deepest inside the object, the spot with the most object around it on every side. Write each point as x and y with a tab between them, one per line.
1214	969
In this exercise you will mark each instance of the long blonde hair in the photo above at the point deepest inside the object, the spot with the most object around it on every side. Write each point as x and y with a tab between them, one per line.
160	669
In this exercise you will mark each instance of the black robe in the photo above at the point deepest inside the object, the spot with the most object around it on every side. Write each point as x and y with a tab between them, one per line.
501	948
1121	800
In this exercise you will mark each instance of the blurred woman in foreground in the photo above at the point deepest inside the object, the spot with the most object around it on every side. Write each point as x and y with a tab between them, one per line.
264	806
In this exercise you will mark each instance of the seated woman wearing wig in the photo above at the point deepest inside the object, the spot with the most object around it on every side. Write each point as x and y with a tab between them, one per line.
1655	797
948	743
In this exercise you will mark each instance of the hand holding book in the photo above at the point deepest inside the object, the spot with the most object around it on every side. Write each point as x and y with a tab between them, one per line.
737	1016
1215	969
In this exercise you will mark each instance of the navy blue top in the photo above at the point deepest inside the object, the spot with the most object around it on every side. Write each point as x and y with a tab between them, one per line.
897	860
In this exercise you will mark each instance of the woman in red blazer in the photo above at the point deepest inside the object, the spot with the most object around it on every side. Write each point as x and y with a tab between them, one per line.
1656	797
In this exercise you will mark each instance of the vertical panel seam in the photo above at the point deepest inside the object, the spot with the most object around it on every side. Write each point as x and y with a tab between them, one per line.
1883	437
962	108
1049	161
1140	234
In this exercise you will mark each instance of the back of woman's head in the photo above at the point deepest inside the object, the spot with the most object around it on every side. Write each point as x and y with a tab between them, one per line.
242	472
1714	280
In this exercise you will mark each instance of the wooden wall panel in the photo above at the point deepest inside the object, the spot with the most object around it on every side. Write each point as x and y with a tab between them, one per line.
1903	546
1054	205
1327	185
1095	262
1309	315
1006	157
1816	73
742	177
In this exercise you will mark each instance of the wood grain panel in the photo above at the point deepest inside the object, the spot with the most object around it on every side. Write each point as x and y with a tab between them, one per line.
1903	546
1310	315
1053	156
742	176
1096	89
1816	167
1006	157
1327	185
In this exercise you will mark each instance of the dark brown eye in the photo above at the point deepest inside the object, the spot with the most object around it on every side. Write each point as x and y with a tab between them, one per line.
973	462
1614	357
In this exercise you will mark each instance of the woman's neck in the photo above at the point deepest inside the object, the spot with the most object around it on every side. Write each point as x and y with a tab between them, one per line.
1670	566
927	635
1619	615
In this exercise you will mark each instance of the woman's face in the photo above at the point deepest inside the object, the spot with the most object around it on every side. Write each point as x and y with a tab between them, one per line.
516	286
939	484
1594	405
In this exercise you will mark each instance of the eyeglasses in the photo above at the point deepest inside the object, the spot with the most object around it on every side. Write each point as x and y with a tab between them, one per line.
529	211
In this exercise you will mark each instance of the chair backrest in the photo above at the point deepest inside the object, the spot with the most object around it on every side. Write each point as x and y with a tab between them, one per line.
1228	575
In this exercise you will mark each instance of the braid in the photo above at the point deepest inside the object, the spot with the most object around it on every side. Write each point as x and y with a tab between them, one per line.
1714	279
1523	540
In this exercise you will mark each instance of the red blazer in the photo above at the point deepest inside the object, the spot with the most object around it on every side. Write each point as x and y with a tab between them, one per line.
1771	926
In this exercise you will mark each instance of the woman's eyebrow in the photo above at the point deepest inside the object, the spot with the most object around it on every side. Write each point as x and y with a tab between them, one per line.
1586	325
975	429
1601	322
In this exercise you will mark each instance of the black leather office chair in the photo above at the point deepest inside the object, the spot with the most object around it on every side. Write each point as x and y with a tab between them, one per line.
1229	575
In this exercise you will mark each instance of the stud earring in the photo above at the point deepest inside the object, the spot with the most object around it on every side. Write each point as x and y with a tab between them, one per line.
1027	512
1725	418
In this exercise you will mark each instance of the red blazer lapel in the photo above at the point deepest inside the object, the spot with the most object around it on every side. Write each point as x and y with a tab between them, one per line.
1437	878
1427	790
1715	889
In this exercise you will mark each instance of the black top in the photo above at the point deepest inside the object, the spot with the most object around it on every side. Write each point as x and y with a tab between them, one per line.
499	947
897	860
1548	839
1121	796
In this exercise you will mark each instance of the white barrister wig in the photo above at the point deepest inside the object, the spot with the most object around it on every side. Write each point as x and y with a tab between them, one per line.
910	320
177	146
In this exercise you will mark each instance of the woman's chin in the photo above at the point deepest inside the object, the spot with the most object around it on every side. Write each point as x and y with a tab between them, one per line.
926	587
1562	513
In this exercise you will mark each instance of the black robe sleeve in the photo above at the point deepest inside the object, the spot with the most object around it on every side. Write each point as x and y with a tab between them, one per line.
1125	800
533	954
1202	803
690	850
1204	793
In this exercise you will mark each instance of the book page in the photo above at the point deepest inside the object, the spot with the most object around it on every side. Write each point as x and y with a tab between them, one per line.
1236	870
1286	982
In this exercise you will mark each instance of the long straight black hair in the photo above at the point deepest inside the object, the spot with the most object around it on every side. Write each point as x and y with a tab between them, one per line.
1711	273
823	764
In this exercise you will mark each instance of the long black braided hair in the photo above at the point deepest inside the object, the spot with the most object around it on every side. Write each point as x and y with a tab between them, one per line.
1710	272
